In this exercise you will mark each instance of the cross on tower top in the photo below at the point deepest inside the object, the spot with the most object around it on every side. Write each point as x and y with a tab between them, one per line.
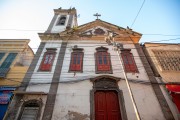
97	15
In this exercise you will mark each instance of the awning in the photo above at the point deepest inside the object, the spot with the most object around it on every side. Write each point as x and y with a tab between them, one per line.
173	88
175	93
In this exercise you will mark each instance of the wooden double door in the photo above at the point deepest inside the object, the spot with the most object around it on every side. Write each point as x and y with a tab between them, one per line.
107	105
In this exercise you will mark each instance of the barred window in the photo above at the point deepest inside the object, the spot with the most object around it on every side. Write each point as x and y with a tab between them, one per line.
30	111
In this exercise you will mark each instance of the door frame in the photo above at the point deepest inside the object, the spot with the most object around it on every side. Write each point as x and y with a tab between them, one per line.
107	83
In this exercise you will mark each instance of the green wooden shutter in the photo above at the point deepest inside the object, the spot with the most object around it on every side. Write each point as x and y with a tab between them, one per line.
1	55
4	68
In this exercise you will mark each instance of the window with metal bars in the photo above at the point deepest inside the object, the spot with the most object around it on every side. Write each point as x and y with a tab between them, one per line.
30	111
76	64
103	61
48	59
128	60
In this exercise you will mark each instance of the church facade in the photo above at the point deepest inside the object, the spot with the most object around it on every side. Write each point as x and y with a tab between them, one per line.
81	73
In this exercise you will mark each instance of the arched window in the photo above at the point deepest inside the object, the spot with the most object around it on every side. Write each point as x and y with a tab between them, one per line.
103	61
30	110
62	20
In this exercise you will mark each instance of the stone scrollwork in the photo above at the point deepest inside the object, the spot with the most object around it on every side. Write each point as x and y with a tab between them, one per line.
105	83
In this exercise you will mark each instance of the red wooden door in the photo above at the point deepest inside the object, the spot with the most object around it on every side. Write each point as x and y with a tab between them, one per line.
107	106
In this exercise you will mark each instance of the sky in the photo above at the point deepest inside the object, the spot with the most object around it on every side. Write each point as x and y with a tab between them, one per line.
158	20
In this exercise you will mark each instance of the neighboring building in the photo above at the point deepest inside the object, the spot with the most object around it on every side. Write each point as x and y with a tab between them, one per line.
76	74
164	59
15	58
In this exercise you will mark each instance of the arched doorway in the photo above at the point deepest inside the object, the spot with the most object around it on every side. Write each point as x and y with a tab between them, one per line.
107	102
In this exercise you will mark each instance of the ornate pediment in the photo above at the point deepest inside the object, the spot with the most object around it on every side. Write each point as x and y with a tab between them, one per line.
99	29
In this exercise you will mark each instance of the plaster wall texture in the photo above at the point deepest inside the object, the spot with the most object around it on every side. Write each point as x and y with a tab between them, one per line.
72	97
75	97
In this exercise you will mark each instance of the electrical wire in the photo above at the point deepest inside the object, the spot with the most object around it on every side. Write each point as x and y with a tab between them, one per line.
137	14
147	34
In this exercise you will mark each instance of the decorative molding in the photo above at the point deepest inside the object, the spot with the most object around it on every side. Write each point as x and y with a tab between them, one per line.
168	60
106	83
105	77
49	36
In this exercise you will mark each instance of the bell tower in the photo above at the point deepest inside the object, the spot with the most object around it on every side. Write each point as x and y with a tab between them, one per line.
63	19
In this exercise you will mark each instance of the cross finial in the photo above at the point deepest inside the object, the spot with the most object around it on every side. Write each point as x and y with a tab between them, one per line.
97	15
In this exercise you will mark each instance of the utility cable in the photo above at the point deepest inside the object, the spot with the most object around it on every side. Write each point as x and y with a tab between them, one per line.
137	14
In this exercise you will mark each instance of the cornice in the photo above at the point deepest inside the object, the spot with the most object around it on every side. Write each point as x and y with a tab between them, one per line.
65	11
49	36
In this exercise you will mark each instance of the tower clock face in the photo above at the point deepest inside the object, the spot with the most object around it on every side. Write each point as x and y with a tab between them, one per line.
99	31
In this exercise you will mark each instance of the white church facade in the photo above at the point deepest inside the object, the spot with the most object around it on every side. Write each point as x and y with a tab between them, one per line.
79	73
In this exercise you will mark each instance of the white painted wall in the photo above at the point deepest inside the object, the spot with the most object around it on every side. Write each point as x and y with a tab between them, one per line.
75	96
43	76
72	97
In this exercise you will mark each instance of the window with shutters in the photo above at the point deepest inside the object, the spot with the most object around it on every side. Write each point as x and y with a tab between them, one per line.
103	61
5	66
48	59
128	60
76	64
62	20
30	111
